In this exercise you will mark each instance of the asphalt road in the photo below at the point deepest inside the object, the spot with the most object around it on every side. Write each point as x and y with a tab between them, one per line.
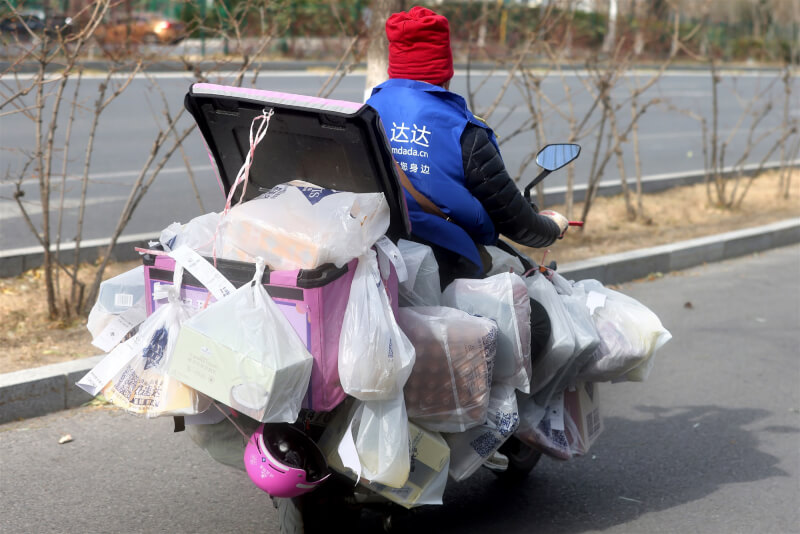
709	444
670	141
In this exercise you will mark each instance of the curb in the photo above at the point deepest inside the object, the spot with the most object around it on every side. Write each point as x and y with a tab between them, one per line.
14	262
48	389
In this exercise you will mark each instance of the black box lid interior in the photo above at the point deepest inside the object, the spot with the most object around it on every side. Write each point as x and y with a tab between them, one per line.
332	144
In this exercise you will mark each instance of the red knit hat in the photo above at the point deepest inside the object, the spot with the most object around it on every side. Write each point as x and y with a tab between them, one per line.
419	46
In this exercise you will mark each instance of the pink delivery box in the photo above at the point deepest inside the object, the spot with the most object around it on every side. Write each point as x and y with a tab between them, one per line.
313	301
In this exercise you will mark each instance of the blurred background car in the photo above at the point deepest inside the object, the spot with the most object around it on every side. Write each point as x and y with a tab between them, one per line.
140	28
13	25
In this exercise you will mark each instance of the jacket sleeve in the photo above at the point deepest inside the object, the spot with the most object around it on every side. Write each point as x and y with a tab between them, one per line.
488	181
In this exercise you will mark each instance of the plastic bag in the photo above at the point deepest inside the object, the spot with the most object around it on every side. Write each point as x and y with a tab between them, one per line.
630	335
134	375
587	340
375	356
198	234
469	449
378	434
243	352
119	309
503	262
448	390
504	299
301	226
560	347
422	288
543	428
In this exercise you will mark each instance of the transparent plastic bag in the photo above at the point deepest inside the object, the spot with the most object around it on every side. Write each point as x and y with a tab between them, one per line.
375	356
298	225
560	347
198	234
243	352
448	390
503	262
134	375
119	309
378	433
630	335
422	288
469	449
543	428
504	299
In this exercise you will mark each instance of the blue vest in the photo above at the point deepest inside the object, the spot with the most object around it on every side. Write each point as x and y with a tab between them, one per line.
424	124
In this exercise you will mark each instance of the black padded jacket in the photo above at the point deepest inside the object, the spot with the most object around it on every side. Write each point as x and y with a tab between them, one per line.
488	181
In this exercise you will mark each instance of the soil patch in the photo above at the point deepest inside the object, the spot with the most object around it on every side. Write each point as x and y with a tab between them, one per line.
30	340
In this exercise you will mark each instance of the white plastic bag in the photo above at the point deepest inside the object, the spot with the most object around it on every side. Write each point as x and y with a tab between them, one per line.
243	352
378	435
543	428
198	234
587	340
301	226
504	299
448	390
469	449
135	377
375	356
560	347
630	335
422	288
119	309
503	262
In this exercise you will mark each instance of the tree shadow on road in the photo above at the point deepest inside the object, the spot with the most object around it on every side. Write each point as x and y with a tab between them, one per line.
677	456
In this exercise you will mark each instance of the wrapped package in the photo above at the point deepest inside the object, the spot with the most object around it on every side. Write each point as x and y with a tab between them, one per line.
243	352
504	299
582	416
560	347
298	225
375	356
422	287
448	390
630	335
135	376
119	309
469	449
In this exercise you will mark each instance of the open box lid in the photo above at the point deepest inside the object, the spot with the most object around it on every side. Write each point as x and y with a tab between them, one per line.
331	143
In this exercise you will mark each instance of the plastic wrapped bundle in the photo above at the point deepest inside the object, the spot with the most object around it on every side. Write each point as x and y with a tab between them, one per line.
301	226
504	299
543	428
630	334
448	390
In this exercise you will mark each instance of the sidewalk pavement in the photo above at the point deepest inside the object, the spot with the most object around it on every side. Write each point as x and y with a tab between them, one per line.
36	392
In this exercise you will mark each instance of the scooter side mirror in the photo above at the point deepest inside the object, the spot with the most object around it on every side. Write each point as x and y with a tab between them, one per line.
553	157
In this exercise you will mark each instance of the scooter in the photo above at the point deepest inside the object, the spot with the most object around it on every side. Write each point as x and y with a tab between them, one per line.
323	498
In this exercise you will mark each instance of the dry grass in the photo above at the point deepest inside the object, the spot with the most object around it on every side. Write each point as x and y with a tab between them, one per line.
30	340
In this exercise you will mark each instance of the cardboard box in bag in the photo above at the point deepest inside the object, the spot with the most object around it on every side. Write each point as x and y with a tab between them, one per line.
582	405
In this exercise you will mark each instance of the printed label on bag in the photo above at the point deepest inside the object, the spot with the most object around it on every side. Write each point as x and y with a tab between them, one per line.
119	328
555	412
123	300
388	250
595	300
218	285
315	194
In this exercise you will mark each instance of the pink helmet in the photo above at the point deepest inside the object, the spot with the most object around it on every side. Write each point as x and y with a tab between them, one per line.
283	461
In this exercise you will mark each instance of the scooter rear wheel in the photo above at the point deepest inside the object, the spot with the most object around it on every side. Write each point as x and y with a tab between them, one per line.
521	460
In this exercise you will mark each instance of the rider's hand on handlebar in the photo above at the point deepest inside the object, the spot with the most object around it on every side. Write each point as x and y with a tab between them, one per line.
560	220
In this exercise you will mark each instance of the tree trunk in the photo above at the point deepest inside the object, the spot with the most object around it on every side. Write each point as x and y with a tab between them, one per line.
611	36
378	46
